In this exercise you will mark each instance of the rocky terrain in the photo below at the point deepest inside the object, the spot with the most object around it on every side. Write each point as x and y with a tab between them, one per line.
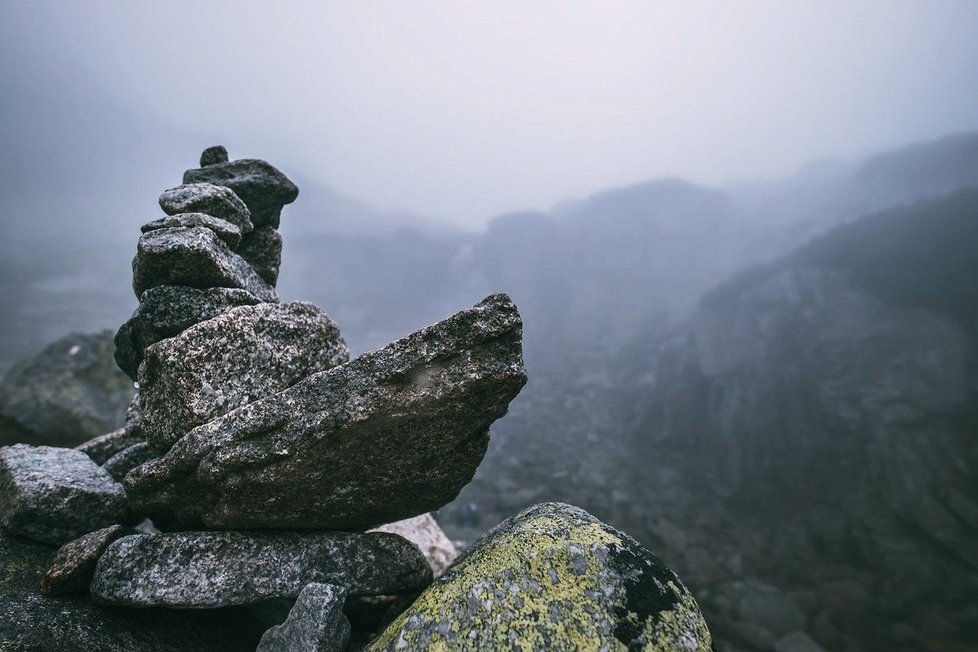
263	477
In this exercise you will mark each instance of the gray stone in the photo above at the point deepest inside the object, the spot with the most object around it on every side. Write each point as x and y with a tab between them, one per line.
68	393
125	461
392	434
315	624
262	248
194	257
217	569
168	310
103	447
424	532
214	200
56	494
213	155
73	566
240	356
229	233
263	188
552	578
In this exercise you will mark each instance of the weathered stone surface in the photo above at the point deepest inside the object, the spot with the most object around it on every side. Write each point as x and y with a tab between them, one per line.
263	188
168	310
315	624
73	566
68	393
56	494
101	448
213	155
216	569
194	257
226	231
424	532
262	248
414	416
214	200
553	578
125	461
240	356
30	622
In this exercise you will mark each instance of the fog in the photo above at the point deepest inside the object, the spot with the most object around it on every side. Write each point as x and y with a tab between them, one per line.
741	238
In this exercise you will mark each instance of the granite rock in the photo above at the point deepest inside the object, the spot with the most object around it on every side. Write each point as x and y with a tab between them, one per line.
74	564
103	447
226	231
168	310
553	578
414	416
262	248
194	257
237	357
214	200
260	186
213	155
315	624
54	495
424	532
126	460
217	569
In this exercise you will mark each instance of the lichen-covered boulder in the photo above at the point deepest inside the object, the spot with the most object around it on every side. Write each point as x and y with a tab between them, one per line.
230	360
216	201
260	185
553	578
69	392
394	433
226	231
194	257
315	624
168	310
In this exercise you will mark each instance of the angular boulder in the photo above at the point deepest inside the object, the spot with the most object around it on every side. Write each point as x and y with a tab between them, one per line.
168	310
219	569
68	393
553	578
74	564
394	433
54	495
262	248
226	231
126	460
214	200
424	532
194	257
315	624
103	447
260	186
230	360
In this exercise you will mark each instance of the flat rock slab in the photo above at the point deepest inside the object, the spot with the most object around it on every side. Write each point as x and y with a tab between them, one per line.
214	200
73	566
315	624
261	186
168	310
218	569
103	447
262	248
194	257
55	495
226	231
394	433
230	360
424	532
553	578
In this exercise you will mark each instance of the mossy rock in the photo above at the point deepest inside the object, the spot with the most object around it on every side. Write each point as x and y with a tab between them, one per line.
553	578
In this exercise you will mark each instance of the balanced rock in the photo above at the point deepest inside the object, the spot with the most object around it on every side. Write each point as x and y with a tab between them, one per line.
56	494
214	200
262	248
126	460
219	569
553	578
73	566
103	447
315	624
68	393
394	433
240	356
424	532
168	310
194	257
260	186
213	155
229	233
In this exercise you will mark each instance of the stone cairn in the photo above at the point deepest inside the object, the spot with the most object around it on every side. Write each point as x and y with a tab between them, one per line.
260	464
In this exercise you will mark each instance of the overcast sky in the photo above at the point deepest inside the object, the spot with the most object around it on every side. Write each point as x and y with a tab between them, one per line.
464	110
